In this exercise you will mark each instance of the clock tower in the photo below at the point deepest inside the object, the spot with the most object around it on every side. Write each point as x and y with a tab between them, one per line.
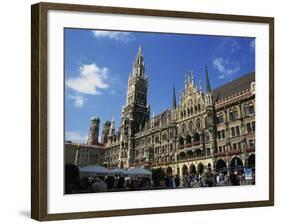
136	111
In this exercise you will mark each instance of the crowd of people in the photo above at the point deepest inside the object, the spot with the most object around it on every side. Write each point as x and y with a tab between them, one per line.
208	179
111	184
189	180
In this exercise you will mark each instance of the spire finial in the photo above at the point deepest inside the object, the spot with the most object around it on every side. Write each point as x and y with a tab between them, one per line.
174	97
140	50
192	77
188	76
138	65
208	87
199	86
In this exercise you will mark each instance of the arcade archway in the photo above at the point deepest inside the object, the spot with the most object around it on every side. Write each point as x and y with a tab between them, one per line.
184	170
200	168
221	166
182	156
192	169
236	164
169	171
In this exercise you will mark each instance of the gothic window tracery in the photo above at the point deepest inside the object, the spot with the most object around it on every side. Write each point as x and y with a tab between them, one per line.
235	113
198	123
183	128
188	112
190	126
220	118
246	109
251	108
207	136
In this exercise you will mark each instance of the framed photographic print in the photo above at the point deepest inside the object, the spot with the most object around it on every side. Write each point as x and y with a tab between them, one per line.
139	111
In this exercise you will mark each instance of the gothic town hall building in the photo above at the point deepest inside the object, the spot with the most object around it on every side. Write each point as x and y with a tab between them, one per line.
212	129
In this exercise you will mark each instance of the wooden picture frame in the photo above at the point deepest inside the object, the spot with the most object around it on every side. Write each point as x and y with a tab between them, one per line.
39	110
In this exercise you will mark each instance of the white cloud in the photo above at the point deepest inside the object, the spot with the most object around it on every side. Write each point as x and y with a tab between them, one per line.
114	35
79	100
225	67
227	45
91	80
233	45
75	136
218	64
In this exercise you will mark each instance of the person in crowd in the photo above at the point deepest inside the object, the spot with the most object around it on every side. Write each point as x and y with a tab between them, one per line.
218	180
127	184
99	185
226	179
133	184
110	181
177	181
120	182
234	179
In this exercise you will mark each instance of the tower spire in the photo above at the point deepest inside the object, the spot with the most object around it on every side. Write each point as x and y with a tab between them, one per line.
174	97
138	67
112	126
140	51
208	87
93	137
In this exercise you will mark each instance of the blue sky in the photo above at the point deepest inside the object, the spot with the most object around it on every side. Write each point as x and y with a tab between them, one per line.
98	63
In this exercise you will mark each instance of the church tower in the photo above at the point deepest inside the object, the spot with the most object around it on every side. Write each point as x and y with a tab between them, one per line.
93	137
105	132
209	100
136	111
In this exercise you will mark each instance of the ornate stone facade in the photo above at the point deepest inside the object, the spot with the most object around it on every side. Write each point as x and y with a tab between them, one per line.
212	129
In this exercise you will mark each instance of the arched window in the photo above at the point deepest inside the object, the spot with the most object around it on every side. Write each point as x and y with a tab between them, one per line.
188	139
190	126
199	107
231	115
181	141
206	121
195	109
183	128
198	123
235	113
188	112
220	118
207	137
251	109
196	137
191	110
246	109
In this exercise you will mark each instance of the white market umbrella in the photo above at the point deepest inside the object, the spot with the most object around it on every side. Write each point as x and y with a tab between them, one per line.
93	170
117	171
138	172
